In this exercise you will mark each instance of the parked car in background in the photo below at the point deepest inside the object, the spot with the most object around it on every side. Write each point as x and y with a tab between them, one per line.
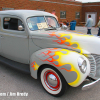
32	41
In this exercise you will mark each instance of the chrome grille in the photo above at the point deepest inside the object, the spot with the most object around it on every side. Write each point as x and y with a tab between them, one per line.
97	60
94	60
92	64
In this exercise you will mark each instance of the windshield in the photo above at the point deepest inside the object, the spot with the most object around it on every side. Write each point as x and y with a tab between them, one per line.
40	22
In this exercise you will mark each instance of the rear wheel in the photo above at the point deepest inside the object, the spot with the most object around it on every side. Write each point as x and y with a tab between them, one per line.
52	81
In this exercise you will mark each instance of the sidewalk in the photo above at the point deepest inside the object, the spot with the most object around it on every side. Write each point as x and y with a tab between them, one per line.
83	30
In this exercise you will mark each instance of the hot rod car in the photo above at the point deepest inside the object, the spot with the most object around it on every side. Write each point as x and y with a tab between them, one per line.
32	41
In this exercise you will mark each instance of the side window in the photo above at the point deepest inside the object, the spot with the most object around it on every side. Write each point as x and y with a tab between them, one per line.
13	24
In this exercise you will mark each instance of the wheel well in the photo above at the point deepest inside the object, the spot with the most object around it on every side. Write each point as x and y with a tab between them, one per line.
39	70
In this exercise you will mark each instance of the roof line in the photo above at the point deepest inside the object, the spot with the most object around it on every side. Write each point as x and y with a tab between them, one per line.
56	2
89	5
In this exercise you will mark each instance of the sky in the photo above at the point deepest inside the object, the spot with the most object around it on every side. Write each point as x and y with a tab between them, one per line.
88	0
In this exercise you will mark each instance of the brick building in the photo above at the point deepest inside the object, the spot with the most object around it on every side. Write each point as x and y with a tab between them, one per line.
65	9
93	9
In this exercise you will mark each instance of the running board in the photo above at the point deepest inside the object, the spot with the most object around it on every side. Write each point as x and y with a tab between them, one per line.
19	66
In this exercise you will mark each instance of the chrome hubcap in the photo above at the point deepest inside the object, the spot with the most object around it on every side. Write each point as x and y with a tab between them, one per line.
51	80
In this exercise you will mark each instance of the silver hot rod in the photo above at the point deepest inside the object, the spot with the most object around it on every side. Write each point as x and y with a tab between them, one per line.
32	41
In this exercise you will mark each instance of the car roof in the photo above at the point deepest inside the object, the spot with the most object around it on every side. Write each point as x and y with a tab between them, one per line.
25	13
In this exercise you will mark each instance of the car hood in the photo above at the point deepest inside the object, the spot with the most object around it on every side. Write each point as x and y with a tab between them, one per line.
67	39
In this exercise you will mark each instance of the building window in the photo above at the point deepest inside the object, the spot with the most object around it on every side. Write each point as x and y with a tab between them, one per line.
63	14
7	8
77	15
41	9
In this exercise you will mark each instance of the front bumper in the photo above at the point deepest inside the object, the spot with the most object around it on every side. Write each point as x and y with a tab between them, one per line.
90	85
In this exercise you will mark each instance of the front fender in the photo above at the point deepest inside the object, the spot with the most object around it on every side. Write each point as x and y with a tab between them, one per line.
65	61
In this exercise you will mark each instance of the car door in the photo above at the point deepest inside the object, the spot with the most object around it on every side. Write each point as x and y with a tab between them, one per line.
14	41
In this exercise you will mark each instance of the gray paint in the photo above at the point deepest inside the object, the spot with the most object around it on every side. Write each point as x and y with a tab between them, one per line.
50	59
64	52
51	54
56	57
74	45
70	76
68	37
67	43
67	66
55	62
78	50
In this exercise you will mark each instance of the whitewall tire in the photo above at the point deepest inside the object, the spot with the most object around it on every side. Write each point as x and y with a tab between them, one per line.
52	81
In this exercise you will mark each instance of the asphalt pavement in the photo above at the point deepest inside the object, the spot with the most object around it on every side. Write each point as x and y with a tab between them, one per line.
83	30
13	81
16	85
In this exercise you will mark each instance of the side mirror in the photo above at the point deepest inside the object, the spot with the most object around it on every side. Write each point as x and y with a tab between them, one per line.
20	28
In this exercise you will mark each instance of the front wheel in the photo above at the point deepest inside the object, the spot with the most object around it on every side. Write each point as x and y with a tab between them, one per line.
52	81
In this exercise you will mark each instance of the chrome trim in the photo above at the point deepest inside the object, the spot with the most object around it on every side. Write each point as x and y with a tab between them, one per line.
92	65
52	80
90	85
82	64
46	38
94	60
14	35
97	61
34	37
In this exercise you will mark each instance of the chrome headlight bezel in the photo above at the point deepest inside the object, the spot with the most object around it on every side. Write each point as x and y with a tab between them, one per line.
82	64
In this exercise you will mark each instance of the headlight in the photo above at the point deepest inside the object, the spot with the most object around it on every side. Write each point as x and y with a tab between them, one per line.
82	64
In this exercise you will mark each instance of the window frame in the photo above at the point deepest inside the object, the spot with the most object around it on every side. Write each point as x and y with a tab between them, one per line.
76	15
13	18
45	21
60	14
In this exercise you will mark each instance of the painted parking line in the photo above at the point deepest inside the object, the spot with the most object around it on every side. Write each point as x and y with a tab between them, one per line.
78	32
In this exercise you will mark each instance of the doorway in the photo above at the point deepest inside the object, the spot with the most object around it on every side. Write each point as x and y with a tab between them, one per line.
93	16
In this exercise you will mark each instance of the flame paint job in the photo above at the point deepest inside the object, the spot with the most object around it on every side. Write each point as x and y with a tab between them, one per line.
65	60
35	66
60	58
66	39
